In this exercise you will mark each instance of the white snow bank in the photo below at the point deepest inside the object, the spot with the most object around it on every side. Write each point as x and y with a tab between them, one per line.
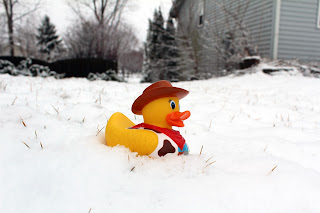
262	133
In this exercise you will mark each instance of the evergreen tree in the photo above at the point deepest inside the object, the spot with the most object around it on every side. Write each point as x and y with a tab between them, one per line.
154	52
146	62
171	52
48	41
161	55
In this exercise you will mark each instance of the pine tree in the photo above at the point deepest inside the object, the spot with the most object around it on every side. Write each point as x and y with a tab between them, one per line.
147	62
48	40
154	52
171	52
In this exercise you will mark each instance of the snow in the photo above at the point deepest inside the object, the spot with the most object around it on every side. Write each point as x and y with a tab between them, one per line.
261	132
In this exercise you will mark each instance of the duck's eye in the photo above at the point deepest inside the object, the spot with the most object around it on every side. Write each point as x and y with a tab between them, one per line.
172	104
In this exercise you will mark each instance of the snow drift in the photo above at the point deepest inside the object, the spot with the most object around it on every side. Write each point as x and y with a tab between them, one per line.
254	147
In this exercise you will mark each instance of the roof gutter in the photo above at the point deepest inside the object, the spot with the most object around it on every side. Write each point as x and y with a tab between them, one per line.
175	9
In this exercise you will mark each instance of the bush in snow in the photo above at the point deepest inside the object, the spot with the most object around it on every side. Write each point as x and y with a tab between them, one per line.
25	64
6	67
39	70
26	68
109	75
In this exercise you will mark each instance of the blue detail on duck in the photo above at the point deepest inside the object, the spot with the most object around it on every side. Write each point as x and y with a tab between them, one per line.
185	149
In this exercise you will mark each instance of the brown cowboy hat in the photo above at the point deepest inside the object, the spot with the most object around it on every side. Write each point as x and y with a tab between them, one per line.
157	90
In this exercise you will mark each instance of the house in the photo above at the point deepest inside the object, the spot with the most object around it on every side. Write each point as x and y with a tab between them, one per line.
280	29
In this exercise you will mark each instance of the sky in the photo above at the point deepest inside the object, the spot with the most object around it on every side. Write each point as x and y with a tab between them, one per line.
136	15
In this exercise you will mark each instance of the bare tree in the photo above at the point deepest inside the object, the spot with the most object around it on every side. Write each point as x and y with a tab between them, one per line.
229	35
224	36
26	38
131	61
82	43
105	11
12	15
104	20
2	31
111	38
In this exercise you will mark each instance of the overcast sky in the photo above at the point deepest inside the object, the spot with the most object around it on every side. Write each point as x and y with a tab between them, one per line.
136	15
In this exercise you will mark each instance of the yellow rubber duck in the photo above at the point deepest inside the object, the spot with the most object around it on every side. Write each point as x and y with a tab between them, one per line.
159	105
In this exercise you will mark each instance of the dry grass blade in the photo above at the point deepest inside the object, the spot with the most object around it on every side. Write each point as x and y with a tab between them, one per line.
14	101
99	131
35	132
209	164
41	145
201	150
132	169
26	144
3	86
209	159
232	118
210	124
272	170
57	110
24	124
265	148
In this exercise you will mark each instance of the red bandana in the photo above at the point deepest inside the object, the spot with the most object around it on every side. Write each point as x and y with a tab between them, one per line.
173	134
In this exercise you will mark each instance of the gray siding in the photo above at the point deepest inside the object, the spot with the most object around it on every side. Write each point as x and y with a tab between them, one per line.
259	20
218	23
191	37
299	36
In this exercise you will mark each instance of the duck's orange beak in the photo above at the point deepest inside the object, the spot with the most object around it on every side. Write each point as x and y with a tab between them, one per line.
176	118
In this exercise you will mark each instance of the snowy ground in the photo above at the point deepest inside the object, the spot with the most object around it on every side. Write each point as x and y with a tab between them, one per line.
260	136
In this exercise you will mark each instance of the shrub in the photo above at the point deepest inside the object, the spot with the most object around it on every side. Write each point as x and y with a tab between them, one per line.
109	75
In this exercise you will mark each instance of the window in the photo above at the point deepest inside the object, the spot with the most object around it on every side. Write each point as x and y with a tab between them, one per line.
200	20
318	17
201	12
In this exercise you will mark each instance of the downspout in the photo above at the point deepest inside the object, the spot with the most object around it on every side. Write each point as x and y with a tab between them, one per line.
276	29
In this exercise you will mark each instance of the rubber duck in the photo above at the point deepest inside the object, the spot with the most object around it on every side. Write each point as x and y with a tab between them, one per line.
159	106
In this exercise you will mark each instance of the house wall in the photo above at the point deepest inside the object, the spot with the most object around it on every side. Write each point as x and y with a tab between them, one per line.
299	35
259	20
282	29
191	37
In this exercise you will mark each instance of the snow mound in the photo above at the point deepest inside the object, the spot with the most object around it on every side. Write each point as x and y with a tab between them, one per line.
258	135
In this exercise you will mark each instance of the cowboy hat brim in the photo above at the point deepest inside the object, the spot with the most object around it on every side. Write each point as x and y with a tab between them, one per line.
156	93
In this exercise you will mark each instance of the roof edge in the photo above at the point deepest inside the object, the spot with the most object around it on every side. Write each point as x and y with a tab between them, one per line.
175	9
